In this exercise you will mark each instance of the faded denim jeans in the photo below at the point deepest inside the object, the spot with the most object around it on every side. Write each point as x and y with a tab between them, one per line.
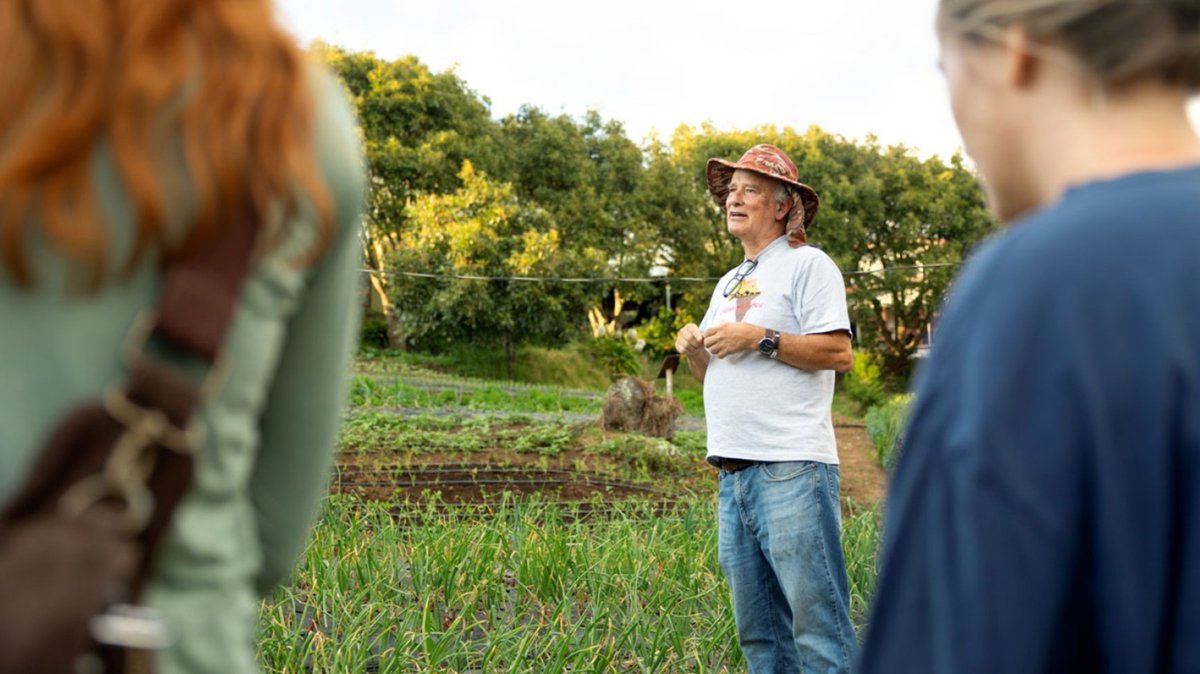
779	545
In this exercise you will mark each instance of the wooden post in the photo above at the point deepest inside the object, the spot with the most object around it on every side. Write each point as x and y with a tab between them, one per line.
667	371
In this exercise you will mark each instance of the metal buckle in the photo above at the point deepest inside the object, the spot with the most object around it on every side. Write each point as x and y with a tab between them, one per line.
128	626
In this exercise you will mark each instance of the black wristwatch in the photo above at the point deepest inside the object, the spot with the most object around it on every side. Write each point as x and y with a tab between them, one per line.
769	344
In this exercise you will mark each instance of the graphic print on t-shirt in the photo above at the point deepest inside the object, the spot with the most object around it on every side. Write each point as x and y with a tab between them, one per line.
743	295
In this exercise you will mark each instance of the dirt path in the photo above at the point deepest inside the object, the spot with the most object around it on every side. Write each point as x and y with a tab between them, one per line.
863	480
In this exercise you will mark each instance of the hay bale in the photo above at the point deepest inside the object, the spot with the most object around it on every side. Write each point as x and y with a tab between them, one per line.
623	405
659	415
632	406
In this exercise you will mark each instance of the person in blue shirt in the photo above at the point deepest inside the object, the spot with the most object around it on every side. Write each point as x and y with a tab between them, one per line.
1045	513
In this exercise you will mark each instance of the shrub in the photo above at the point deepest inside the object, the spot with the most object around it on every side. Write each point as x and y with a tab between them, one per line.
374	332
885	425
617	356
863	383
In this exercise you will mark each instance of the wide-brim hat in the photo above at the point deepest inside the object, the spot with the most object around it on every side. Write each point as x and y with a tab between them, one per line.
772	162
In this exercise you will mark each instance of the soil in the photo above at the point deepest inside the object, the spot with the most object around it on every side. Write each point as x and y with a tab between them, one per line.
480	483
572	476
862	479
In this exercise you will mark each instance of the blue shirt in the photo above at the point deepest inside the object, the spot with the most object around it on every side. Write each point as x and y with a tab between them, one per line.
1045	513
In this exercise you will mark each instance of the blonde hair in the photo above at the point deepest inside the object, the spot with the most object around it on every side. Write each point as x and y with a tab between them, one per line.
216	78
1115	41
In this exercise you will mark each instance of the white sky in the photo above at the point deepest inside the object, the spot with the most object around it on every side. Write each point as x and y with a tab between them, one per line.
852	67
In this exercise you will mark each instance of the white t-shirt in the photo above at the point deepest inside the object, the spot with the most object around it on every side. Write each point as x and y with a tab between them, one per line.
760	408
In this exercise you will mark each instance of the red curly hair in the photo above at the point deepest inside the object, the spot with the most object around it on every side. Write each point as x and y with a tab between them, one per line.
215	77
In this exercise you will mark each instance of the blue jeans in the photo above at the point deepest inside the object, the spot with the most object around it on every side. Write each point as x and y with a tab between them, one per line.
779	545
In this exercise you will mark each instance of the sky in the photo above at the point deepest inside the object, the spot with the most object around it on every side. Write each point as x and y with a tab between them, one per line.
852	67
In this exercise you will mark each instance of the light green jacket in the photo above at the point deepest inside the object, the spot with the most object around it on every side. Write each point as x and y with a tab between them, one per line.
270	431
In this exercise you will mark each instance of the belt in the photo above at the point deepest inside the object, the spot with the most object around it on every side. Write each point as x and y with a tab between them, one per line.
730	465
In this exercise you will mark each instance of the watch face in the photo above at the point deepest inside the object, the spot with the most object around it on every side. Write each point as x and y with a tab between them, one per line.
766	345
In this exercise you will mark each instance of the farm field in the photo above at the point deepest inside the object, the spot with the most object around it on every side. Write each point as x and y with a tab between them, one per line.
478	526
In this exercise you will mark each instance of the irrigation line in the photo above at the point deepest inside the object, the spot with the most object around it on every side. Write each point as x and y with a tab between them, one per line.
566	478
354	469
634	279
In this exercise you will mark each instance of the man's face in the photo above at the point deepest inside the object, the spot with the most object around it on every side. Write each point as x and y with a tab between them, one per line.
750	209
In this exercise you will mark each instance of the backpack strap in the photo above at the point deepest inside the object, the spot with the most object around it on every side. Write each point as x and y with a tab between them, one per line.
131	453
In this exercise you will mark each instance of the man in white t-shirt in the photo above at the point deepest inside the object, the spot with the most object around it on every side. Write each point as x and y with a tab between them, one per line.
775	332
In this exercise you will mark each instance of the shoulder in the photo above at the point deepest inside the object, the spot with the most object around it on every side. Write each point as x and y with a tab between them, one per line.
1080	249
806	256
1093	226
808	263
1099	257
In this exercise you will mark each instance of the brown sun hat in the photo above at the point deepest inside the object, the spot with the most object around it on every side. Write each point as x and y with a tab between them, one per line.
773	163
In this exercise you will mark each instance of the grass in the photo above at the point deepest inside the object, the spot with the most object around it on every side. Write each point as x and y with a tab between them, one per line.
571	367
522	588
885	424
370	391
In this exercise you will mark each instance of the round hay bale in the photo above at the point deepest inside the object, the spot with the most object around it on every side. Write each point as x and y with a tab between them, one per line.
623	405
659	415
631	405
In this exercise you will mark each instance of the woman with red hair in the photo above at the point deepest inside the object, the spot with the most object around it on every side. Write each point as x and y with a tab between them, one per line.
135	131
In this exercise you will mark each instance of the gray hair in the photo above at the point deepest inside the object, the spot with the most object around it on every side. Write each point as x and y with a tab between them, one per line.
1116	41
781	192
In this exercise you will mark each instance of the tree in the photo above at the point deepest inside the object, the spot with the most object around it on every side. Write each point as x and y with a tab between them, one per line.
928	216
418	127
483	230
583	173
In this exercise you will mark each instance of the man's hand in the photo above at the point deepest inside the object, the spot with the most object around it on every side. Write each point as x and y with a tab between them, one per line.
722	340
689	341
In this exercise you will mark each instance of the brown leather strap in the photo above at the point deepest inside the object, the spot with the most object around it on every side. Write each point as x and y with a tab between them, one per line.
202	289
83	439
146	417
731	465
195	308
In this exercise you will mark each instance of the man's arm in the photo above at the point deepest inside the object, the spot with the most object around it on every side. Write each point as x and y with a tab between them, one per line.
820	351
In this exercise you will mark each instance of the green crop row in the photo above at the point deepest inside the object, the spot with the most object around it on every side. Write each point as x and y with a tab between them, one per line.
366	391
522	587
408	439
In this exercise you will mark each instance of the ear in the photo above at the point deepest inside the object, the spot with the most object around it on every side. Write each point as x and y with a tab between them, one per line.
1021	62
782	208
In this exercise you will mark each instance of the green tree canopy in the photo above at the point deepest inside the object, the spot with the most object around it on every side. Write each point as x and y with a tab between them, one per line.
456	192
483	230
